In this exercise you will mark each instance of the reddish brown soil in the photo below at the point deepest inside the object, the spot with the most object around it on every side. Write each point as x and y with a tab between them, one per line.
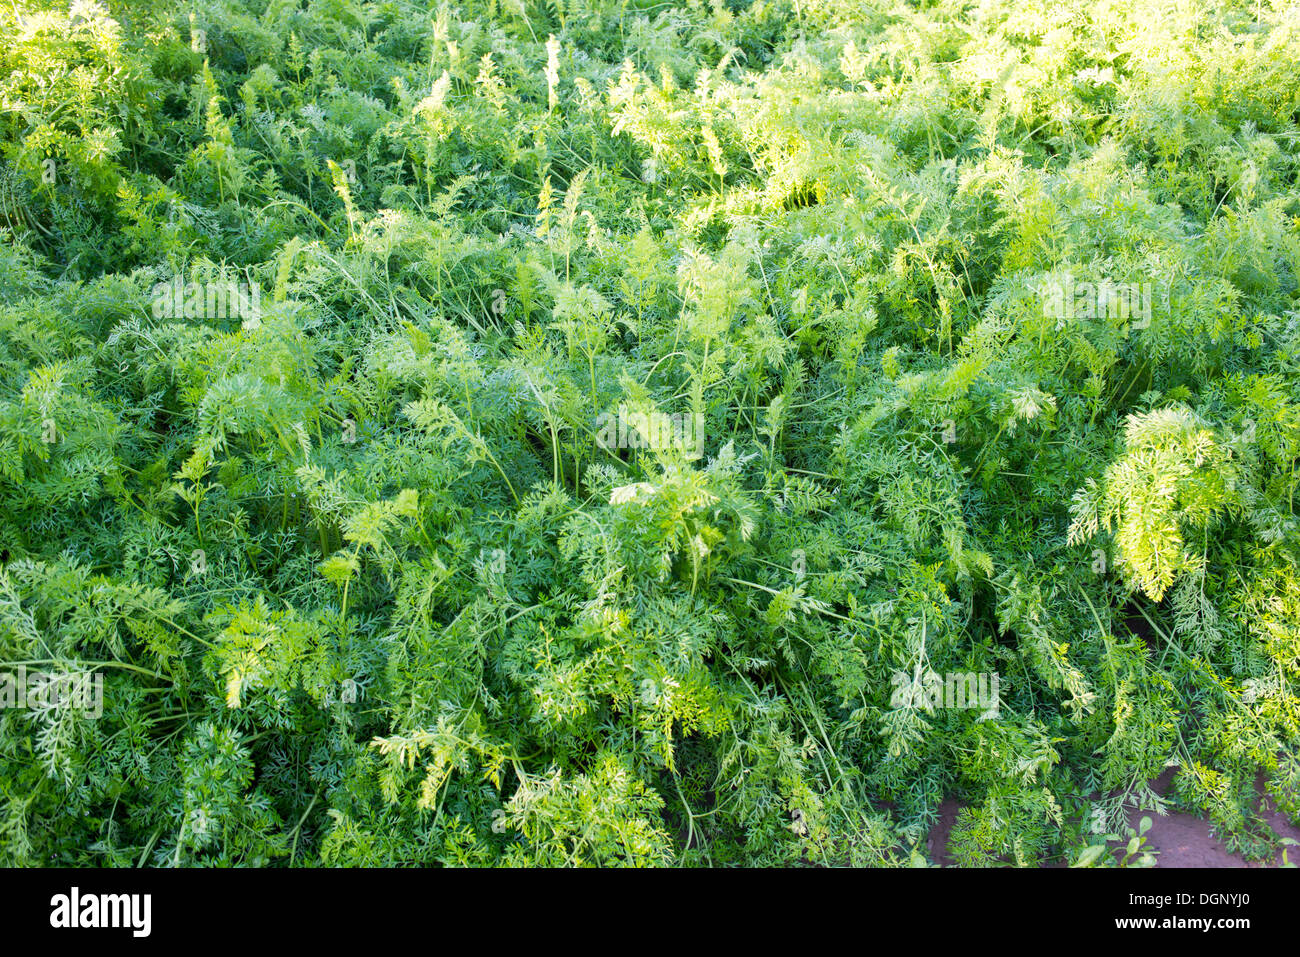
936	844
1181	839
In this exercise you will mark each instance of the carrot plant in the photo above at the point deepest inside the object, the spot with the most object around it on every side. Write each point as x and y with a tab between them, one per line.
589	433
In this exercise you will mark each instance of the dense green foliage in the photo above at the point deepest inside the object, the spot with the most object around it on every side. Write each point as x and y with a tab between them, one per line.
366	588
